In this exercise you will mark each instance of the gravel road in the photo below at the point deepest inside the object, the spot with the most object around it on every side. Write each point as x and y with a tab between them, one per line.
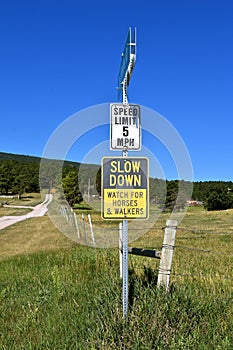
39	210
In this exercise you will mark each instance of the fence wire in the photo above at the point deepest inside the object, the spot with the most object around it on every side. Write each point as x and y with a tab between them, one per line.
192	275
78	229
202	250
203	232
197	249
199	276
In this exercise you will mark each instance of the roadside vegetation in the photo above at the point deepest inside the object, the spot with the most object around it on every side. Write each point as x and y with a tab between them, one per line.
56	294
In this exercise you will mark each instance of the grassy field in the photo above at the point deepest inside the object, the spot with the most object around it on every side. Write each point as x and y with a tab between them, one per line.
13	211
56	294
31	199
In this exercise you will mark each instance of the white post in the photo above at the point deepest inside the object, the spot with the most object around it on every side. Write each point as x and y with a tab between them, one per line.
66	214
76	225
69	214
167	254
92	232
72	218
64	211
84	229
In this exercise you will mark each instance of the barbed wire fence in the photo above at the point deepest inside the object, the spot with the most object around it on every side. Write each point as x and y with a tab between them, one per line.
81	230
199	250
78	228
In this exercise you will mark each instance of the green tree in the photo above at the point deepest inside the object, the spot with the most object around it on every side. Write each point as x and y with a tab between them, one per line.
71	188
5	177
219	201
98	181
172	191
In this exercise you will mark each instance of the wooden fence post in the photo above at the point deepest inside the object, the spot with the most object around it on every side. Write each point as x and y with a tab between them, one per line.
167	254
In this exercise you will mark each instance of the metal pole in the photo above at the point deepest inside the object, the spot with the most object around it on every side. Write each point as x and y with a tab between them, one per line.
125	291
125	288
128	54
120	249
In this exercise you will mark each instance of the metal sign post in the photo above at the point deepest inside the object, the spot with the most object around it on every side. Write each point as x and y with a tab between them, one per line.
125	268
128	60
125	288
125	136
126	68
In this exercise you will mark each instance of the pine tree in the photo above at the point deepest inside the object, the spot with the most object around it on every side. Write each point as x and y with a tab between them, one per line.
70	184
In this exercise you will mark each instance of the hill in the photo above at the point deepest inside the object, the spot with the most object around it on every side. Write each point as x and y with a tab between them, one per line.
28	159
19	158
20	173
33	159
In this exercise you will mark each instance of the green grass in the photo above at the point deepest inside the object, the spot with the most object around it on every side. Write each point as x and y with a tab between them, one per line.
30	199
13	211
55	294
31	236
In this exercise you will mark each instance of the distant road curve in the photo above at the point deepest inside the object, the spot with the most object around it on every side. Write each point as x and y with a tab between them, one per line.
39	210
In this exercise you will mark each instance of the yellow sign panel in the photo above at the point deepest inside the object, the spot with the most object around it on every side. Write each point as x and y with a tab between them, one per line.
125	188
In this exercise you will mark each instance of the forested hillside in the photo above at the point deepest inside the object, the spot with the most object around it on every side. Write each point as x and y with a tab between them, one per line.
19	157
20	174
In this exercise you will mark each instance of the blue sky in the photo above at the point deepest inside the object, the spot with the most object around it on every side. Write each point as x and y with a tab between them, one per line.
60	57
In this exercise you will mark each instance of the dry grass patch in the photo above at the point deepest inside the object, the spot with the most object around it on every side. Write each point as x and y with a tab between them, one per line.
31	236
14	211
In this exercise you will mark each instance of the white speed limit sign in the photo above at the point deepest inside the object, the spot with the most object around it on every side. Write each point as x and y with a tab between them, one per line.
125	127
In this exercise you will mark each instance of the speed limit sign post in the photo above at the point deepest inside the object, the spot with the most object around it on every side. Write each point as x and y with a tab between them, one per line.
125	127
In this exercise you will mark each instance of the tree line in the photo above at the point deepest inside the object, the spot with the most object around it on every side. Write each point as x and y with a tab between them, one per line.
18	177
20	174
